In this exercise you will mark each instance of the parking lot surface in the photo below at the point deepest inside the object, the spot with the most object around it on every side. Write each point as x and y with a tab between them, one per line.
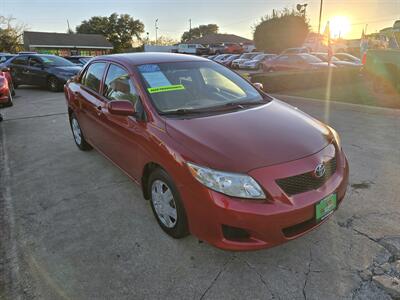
73	226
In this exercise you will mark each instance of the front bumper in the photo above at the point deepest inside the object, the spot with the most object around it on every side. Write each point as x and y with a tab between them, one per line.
268	223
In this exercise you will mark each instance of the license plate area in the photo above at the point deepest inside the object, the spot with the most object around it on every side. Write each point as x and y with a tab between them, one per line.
325	207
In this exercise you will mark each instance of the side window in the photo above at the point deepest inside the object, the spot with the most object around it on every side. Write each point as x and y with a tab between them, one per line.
35	62
93	75
119	86
22	60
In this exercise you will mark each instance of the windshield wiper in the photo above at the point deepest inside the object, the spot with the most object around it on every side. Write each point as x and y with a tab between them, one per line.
244	103
183	111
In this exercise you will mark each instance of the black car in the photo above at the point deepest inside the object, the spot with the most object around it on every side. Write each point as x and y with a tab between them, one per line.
5	56
78	60
49	71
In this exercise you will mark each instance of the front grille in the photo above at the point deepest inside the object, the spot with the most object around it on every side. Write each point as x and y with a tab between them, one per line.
307	181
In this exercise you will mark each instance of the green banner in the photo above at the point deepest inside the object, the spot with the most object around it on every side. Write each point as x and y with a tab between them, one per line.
168	88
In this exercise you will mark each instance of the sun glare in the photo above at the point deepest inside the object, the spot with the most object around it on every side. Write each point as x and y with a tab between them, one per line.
339	26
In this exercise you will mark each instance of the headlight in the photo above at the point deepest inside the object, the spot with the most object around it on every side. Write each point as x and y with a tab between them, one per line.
231	184
336	137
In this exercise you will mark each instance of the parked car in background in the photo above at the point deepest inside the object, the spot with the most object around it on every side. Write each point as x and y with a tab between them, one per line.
6	88
215	156
256	62
348	57
287	62
79	60
44	70
220	58
211	57
244	57
196	49
225	48
334	60
227	62
5	56
298	50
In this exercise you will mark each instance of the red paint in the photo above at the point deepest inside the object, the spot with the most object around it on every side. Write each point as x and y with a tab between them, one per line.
267	142
5	86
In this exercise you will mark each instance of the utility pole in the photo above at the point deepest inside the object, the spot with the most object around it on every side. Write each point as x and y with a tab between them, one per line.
320	16
156	26
69	28
190	29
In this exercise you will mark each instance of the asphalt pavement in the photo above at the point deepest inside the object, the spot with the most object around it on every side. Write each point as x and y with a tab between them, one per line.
73	226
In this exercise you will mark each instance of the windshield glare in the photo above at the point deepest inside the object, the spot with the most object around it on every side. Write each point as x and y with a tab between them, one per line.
195	85
55	61
311	58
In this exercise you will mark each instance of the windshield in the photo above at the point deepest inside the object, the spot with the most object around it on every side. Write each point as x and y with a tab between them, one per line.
259	57
248	56
55	61
310	58
195	85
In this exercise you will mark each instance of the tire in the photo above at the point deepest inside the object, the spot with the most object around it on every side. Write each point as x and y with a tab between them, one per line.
53	84
165	196
79	138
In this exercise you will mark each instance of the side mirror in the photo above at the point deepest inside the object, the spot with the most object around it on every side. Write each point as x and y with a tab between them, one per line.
258	85
121	108
5	69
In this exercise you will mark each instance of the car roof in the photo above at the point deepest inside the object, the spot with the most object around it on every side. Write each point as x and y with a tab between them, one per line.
149	58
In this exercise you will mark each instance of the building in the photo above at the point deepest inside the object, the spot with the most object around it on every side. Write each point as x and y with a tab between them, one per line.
220	38
65	44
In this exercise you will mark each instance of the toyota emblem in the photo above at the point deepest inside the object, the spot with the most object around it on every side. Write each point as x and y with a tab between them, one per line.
319	170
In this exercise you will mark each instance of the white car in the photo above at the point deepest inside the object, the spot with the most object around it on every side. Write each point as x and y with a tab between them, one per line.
256	62
244	57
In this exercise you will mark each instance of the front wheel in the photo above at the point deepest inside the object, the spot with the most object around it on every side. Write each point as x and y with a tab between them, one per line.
53	84
79	139
167	205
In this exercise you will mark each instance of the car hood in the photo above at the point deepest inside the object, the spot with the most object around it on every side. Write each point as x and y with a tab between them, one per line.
243	140
67	69
250	62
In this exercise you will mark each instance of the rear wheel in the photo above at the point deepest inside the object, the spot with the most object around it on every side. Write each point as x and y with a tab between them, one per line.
79	139
167	205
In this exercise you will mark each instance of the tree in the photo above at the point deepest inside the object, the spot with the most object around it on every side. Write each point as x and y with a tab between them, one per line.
119	30
162	41
281	30
10	35
199	32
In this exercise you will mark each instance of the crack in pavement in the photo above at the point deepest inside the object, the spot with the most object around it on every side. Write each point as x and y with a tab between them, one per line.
261	278
224	266
307	274
34	117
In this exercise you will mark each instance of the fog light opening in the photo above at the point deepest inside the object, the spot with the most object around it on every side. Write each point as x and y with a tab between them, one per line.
234	233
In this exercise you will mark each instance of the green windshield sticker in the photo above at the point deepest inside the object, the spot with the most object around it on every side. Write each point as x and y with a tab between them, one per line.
168	88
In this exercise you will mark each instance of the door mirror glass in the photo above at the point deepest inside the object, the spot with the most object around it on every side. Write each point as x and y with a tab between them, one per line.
121	108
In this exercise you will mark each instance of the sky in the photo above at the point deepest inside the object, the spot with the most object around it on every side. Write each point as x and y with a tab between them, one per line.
232	16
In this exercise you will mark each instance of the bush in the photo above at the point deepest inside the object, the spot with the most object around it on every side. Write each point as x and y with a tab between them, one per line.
297	80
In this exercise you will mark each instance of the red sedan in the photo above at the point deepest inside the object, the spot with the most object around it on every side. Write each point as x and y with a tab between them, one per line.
6	88
215	156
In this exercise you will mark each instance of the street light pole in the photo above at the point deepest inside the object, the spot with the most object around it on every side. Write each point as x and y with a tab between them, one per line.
156	26
190	29
320	16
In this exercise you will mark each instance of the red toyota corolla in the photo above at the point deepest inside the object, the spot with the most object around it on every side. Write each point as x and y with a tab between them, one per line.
6	88
217	157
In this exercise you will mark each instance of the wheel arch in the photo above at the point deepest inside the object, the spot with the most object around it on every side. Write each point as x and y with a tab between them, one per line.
147	170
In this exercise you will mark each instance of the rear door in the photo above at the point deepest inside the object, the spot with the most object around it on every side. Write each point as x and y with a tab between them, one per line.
90	102
18	68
